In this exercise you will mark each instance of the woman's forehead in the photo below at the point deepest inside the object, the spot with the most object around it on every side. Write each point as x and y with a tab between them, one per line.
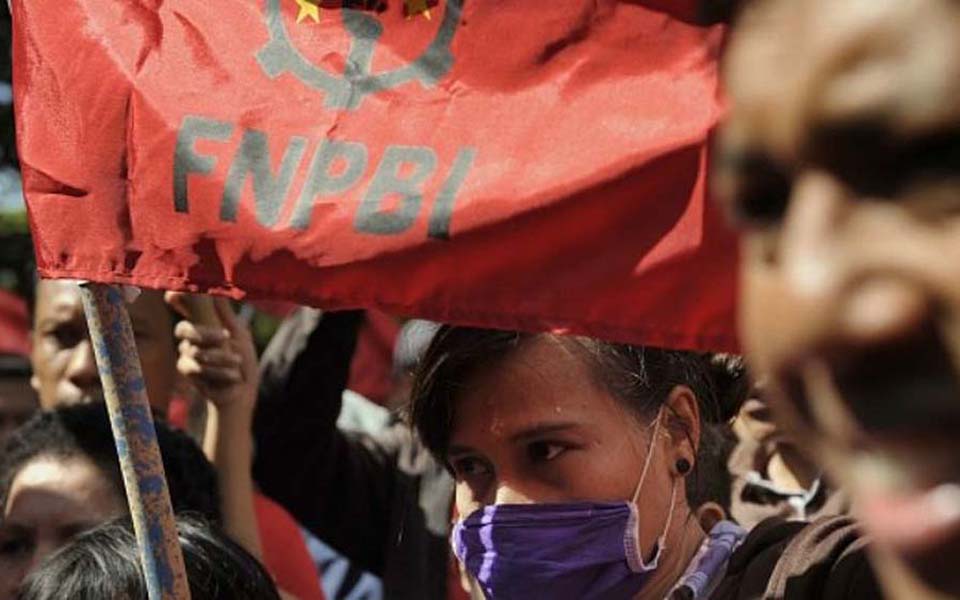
55	472
56	487
544	381
535	369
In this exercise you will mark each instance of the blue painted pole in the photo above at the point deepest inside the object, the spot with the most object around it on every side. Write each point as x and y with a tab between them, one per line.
136	439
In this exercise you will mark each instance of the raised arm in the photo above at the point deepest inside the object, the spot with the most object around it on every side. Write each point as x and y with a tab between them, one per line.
340	486
217	354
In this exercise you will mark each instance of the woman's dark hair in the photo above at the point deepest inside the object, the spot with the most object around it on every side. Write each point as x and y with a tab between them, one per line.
642	377
83	431
711	480
104	563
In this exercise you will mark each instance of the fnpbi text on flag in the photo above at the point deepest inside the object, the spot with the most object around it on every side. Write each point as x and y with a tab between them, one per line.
453	159
335	168
394	196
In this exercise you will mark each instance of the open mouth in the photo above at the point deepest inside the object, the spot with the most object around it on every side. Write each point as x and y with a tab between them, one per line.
899	405
921	525
903	388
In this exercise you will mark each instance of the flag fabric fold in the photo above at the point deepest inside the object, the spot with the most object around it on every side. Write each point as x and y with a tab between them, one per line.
513	164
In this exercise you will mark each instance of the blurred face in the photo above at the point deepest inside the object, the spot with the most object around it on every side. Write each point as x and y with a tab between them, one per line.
841	165
17	403
755	424
51	500
65	370
536	429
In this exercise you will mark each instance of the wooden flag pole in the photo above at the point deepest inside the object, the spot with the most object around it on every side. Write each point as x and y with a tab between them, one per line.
136	439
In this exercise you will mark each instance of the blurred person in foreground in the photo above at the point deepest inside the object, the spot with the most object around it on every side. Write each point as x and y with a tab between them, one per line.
840	163
104	563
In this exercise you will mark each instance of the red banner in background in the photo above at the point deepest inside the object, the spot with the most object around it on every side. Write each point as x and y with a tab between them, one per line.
508	163
14	325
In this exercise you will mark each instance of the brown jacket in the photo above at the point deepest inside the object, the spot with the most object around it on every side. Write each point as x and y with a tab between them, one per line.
822	560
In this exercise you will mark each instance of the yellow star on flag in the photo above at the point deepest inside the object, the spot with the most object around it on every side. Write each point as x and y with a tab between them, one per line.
417	7
308	9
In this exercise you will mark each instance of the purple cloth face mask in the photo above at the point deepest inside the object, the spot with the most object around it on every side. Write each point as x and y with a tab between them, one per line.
579	550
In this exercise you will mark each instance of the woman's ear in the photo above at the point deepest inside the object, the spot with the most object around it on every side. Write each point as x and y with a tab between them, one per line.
683	423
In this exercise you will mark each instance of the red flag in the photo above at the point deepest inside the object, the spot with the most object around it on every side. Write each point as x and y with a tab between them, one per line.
507	163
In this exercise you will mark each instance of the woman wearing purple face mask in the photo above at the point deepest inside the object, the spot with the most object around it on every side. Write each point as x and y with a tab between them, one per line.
571	458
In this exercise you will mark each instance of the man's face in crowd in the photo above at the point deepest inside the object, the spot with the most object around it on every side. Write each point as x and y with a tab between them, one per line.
841	165
64	367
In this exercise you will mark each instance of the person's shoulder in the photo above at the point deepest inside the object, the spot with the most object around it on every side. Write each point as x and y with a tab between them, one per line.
771	534
796	560
754	562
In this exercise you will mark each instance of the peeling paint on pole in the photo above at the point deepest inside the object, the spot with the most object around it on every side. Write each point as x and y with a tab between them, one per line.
136	439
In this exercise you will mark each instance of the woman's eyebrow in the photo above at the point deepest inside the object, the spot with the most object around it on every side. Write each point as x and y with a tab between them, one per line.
455	450
527	433
541	429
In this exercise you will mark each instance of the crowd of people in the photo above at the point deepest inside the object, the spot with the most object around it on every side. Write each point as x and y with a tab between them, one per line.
512	465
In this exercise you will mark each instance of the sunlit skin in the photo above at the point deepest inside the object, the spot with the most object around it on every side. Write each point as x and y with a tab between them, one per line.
783	464
51	500
65	370
840	163
537	429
